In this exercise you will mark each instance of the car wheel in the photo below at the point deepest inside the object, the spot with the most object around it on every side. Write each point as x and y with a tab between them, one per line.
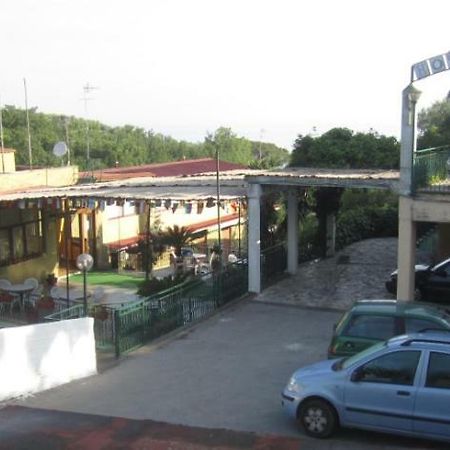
318	418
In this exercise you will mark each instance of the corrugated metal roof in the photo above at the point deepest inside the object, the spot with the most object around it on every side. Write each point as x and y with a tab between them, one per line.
233	184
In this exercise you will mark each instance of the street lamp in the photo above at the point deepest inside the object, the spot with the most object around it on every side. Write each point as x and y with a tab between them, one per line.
410	97
85	262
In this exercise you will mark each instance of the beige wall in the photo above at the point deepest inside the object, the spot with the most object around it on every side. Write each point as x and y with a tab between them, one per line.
7	161
56	176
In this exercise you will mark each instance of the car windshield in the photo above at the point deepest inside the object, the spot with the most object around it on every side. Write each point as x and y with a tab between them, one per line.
344	363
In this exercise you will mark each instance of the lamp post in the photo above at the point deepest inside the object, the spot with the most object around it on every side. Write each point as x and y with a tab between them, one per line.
410	97
85	262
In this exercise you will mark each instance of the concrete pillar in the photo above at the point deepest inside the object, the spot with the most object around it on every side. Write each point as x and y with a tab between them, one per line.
254	238
409	98
292	232
443	246
406	250
331	235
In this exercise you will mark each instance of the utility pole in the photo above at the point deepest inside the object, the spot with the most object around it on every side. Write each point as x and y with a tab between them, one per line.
28	125
1	138
87	89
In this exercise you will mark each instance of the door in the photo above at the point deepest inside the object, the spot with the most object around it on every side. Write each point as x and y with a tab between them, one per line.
432	410
381	392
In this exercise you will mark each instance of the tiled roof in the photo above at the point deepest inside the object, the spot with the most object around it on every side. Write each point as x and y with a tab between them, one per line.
170	169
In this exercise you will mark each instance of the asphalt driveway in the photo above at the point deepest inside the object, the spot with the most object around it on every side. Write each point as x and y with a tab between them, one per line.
226	372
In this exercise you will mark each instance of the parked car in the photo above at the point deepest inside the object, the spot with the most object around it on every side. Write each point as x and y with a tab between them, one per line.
432	282
370	321
399	386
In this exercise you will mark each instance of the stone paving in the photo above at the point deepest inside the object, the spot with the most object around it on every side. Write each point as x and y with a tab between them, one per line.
357	272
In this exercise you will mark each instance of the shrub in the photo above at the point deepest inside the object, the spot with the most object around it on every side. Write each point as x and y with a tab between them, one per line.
155	285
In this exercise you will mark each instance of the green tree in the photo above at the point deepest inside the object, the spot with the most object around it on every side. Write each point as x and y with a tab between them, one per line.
434	125
231	148
342	148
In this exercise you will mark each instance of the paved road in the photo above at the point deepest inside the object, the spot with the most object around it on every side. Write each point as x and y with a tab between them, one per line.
227	372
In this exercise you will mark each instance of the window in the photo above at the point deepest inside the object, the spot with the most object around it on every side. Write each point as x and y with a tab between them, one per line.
21	241
393	368
370	326
413	325
438	374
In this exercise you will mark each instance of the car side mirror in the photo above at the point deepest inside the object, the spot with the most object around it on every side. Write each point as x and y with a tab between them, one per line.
356	375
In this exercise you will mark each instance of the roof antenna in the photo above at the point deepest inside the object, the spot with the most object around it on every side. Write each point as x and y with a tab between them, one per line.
28	124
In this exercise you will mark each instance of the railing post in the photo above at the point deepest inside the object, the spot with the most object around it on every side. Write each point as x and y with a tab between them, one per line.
117	333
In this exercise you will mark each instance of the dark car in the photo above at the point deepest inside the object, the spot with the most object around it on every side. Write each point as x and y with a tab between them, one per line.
432	283
370	321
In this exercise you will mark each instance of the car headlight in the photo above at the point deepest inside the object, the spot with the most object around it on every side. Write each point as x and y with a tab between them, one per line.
294	386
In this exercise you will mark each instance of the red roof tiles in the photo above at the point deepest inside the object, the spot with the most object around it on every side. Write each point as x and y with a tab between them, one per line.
184	167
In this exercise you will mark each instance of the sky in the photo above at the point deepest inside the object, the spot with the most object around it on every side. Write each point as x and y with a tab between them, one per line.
268	69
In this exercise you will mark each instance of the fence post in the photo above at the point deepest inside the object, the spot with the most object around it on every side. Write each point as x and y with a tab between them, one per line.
117	332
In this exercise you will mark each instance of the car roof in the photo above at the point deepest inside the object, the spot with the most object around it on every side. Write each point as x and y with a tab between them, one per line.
435	339
401	308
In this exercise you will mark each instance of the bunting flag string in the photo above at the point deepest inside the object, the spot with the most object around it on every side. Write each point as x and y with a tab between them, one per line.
101	203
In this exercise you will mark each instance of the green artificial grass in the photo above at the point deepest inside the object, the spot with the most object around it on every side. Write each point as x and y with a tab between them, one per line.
109	279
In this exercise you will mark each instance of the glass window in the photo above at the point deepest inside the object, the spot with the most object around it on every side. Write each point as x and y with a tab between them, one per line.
393	368
21	241
18	243
4	246
413	325
370	326
33	236
438	374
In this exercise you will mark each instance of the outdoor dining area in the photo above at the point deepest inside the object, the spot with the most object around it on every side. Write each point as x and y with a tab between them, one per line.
31	301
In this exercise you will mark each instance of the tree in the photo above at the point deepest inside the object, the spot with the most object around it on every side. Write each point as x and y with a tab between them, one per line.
177	237
327	201
231	148
434	125
342	148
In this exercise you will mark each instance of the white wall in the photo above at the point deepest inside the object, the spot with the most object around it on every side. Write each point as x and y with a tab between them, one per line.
38	357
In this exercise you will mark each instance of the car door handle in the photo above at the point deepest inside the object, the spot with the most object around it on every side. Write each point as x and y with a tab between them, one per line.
404	393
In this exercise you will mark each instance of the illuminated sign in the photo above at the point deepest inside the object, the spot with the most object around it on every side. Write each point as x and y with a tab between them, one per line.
431	66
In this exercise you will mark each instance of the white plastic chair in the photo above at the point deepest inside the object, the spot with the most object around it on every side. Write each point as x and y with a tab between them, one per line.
56	293
31	282
35	295
4	283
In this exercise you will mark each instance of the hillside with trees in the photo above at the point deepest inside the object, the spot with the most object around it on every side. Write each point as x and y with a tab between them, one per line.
434	125
127	145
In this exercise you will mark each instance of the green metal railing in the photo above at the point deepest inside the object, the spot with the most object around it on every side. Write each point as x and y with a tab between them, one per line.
142	321
430	168
273	263
103	322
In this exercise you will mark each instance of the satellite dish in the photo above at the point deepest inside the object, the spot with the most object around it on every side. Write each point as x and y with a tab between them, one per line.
60	149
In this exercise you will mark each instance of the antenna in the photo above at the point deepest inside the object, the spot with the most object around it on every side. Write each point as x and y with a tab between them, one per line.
87	89
1	138
28	124
60	149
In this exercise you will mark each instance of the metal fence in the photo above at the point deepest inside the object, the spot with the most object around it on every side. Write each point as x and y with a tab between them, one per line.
430	169
165	311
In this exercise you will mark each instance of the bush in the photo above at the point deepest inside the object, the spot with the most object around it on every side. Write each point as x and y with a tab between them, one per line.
364	223
155	285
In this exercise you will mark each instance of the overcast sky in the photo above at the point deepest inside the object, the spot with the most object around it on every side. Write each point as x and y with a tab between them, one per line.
269	69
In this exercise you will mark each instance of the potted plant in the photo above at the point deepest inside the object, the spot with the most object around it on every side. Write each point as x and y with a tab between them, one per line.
51	280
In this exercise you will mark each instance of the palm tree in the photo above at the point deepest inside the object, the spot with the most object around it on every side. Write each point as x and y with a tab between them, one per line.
178	237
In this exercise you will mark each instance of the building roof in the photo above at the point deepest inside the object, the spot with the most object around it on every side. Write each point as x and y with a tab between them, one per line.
168	169
7	150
